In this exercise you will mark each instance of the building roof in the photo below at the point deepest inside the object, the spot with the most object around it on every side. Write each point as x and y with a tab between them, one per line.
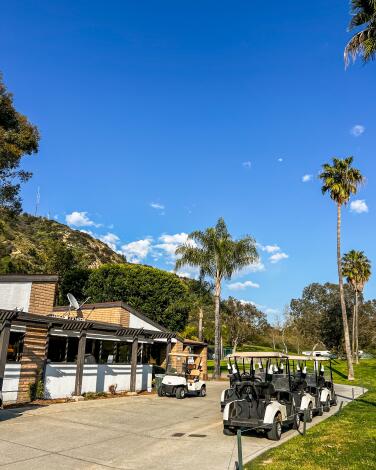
192	342
29	278
120	304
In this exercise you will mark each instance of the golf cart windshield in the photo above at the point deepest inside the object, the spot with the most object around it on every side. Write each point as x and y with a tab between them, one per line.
183	363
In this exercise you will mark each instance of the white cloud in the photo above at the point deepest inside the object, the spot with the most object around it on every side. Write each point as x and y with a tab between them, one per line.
157	205
306	178
269	248
137	251
358	206
171	242
110	239
278	257
357	130
80	219
271	311
243	285
279	159
247	164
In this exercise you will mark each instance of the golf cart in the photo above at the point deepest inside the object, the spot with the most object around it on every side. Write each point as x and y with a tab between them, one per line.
241	380
270	405
318	383
185	382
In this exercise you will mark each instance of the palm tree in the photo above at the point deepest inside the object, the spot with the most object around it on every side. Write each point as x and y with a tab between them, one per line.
340	180
217	256
357	269
363	43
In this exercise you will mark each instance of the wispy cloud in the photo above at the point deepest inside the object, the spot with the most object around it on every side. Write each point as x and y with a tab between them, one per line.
357	130
110	239
306	178
278	257
80	219
269	248
247	164
243	285
137	251
359	206
280	160
157	205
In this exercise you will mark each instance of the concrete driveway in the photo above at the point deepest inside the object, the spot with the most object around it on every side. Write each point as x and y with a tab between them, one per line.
128	433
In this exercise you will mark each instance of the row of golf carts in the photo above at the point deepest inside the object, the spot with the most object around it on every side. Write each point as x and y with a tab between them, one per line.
269	391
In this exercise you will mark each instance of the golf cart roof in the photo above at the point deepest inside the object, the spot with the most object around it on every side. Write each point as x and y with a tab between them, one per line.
184	354
294	357
258	355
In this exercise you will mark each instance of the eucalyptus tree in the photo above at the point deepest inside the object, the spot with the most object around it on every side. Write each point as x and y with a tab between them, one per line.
363	43
340	180
218	256
357	269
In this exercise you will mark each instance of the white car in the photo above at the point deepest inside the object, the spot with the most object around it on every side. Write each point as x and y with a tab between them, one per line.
186	382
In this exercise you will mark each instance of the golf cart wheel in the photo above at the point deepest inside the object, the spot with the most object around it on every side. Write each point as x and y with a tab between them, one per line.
202	392
327	404
275	432
180	393
334	401
229	431
161	391
309	413
297	421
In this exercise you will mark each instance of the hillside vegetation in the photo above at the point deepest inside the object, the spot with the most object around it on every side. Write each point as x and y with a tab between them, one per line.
27	242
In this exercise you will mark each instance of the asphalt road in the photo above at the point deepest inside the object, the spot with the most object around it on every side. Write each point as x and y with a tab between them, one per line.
139	432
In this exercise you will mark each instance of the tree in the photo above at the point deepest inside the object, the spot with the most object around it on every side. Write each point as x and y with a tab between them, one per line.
217	256
363	43
341	180
242	321
17	138
160	295
357	269
201	299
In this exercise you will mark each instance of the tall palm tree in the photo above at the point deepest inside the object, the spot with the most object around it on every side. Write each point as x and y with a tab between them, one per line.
357	269
217	256
341	180
363	43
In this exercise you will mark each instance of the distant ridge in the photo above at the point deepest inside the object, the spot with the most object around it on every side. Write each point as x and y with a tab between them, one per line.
25	242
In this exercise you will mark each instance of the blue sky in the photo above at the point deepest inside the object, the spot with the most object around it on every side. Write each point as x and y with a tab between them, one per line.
159	117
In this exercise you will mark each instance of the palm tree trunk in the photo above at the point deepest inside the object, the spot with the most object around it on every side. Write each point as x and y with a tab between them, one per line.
350	370
217	330
353	331
356	327
200	317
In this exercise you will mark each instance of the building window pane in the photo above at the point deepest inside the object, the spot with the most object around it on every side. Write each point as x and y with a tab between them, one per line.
15	347
72	349
107	349
57	348
92	351
124	353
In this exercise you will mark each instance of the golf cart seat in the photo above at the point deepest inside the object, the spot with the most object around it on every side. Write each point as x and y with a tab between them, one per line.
265	390
194	375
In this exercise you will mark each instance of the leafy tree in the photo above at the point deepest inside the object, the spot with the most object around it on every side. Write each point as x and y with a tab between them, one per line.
341	180
242	321
17	138
217	256
160	295
74	281
363	43
201	299
357	269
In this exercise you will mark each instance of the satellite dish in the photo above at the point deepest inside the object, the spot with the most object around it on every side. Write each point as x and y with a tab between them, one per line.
73	302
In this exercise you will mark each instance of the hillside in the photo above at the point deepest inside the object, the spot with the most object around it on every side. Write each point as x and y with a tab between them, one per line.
26	241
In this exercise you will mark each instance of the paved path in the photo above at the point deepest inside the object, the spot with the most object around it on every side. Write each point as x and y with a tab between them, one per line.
128	433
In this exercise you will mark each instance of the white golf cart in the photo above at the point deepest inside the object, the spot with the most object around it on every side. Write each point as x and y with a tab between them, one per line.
185	378
267	403
318	380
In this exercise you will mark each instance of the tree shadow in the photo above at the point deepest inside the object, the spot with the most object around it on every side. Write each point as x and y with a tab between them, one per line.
15	412
341	374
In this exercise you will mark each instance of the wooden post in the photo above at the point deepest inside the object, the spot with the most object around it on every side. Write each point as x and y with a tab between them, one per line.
4	342
80	363
168	350
240	451
134	364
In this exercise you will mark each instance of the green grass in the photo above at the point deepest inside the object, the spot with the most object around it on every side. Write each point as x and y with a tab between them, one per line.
346	441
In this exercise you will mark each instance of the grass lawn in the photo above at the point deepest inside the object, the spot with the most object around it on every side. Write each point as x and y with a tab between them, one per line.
342	442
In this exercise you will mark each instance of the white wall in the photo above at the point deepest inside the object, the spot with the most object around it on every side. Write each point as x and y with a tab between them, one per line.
60	378
136	322
15	295
11	382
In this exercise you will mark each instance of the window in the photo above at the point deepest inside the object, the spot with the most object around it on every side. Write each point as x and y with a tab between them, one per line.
57	346
97	351
151	354
124	353
15	346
